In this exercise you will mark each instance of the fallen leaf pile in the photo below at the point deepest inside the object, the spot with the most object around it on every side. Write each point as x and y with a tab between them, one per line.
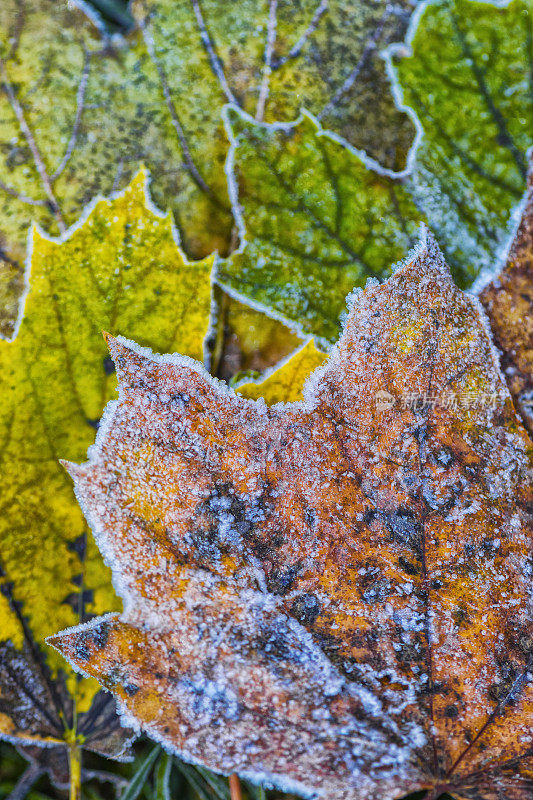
95	109
326	570
440	124
331	596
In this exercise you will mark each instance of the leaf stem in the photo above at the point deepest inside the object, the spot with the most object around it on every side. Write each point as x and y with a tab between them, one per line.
234	787
74	760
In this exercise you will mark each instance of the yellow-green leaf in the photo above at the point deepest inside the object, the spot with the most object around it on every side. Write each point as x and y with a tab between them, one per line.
285	383
120	270
78	116
468	77
316	220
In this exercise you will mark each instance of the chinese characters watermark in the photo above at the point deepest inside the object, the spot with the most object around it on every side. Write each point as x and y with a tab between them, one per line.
452	401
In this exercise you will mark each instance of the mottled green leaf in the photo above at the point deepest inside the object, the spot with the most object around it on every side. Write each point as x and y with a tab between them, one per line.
119	271
272	58
470	80
79	113
316	221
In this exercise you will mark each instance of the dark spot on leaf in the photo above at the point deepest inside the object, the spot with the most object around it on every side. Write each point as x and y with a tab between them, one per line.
451	712
81	651
306	608
412	652
101	635
131	689
408	566
179	401
281	581
405	528
500	689
460	616
78	546
420	433
109	365
377	591
7	589
408	653
272	640
310	517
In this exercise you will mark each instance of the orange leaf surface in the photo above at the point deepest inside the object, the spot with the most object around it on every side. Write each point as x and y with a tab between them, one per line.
331	596
508	301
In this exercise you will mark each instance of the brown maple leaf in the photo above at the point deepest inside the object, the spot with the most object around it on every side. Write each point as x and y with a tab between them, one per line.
333	597
508	301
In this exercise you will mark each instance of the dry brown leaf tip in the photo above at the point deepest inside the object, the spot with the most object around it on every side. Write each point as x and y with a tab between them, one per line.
508	301
331	596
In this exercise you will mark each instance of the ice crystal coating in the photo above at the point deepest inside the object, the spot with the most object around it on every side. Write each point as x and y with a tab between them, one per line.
332	596
508	301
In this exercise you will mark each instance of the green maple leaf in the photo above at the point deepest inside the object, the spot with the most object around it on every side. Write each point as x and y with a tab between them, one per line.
307	204
121	271
316	221
469	80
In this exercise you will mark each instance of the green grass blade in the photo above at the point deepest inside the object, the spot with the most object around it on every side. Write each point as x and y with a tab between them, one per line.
195	780
218	784
135	786
162	778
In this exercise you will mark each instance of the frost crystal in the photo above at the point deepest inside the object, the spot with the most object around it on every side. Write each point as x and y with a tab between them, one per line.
331	596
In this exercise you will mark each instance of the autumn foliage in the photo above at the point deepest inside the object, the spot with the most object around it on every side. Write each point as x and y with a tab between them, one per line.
297	547
332	595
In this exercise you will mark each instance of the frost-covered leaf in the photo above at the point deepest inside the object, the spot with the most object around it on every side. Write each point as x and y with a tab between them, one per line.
469	80
120	271
273	57
508	301
316	221
332	596
79	114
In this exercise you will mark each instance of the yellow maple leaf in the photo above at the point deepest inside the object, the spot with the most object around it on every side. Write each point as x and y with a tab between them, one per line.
120	270
285	383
